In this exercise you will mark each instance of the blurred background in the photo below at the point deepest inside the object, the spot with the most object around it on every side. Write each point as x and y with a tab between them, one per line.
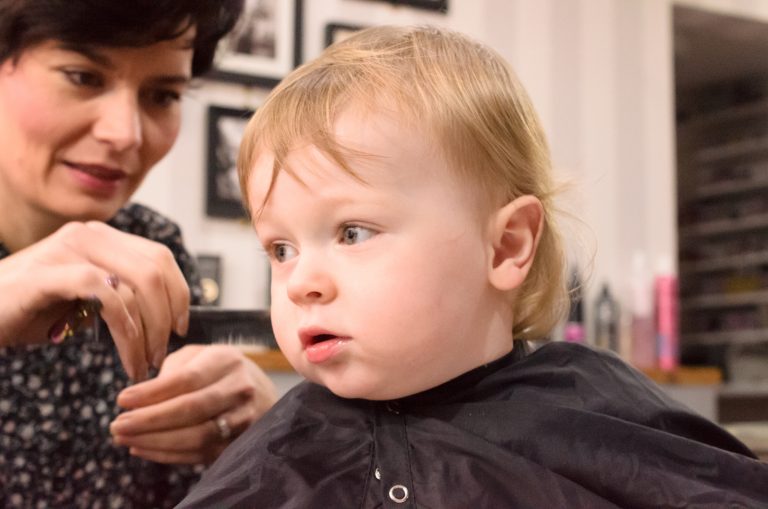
657	117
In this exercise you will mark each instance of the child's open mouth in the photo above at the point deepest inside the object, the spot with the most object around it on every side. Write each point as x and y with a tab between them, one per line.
320	345
320	338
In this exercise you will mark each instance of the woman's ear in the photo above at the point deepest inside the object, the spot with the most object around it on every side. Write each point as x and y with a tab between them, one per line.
513	238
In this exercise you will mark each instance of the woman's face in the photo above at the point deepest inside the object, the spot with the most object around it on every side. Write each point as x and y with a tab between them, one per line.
81	127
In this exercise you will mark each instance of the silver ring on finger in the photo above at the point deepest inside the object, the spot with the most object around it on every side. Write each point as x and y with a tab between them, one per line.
222	426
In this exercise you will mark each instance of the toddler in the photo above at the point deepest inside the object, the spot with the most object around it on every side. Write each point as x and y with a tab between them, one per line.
400	184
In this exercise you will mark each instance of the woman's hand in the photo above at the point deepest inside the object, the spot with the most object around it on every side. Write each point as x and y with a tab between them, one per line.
173	417
140	288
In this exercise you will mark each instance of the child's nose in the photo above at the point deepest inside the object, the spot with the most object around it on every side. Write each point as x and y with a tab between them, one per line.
310	283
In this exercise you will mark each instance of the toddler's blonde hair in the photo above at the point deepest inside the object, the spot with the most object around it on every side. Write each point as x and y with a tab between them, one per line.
463	96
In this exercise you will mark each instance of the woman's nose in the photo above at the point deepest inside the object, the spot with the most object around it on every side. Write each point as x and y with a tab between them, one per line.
119	121
310	282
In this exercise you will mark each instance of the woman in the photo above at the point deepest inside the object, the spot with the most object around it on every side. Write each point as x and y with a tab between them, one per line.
89	102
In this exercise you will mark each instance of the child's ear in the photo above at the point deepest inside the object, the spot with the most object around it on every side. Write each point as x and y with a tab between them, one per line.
515	230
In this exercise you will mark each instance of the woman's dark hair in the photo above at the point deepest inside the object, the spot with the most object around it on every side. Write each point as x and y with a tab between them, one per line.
116	23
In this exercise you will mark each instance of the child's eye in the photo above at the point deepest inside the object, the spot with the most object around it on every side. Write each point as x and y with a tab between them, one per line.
283	252
83	78
355	234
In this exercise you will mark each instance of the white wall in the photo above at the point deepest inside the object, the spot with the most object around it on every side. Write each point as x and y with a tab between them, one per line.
600	73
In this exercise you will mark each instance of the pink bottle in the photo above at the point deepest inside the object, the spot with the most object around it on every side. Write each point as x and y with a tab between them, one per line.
667	332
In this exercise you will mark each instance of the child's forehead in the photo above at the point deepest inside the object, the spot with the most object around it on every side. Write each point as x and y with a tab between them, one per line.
363	141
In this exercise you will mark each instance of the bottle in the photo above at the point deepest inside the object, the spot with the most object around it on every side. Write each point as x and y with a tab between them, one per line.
642	335
574	326
606	321
666	319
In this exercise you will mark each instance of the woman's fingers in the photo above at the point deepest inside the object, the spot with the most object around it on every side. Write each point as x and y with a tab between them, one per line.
178	410
191	405
178	375
151	272
142	291
162	274
116	304
130	343
147	268
199	443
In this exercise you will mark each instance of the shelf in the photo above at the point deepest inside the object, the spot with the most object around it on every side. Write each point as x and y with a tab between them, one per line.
722	179
725	262
719	153
731	337
728	188
686	375
726	115
726	300
726	226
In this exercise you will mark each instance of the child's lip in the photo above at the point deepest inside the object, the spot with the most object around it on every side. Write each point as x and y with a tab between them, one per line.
312	335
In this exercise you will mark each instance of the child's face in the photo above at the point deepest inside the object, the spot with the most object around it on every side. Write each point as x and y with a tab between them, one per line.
379	288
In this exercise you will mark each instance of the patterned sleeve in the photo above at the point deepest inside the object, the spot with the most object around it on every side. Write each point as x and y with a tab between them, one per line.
145	222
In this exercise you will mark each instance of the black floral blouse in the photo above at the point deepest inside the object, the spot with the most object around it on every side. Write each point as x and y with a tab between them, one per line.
56	404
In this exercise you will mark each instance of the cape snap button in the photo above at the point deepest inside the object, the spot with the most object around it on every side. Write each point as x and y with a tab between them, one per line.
393	407
377	474
398	493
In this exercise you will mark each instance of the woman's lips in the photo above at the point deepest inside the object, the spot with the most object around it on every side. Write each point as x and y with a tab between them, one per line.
98	178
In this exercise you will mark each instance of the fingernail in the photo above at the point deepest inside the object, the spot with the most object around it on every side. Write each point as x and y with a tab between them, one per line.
59	331
113	280
182	324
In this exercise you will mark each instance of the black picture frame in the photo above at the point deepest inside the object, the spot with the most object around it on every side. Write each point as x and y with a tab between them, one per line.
264	46
225	130
432	5
335	32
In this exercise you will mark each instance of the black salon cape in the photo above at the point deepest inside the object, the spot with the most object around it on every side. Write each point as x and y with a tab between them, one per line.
566	426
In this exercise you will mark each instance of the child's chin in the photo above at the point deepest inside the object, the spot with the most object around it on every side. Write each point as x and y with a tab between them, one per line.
349	391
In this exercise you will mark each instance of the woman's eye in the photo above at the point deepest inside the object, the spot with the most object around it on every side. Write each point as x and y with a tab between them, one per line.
354	234
283	252
163	97
83	78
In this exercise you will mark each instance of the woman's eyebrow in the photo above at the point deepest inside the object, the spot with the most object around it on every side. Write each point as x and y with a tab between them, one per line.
90	53
93	54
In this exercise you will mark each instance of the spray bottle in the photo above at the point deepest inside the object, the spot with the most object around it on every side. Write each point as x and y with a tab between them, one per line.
606	321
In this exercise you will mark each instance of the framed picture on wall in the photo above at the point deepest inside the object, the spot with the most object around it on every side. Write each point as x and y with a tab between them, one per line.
432	5
225	131
335	32
264	45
